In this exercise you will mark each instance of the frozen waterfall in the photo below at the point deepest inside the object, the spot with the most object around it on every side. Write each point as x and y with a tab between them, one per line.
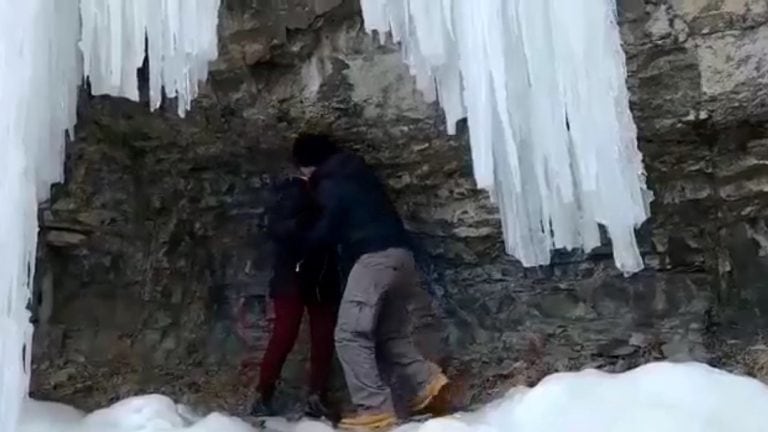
542	84
543	87
40	70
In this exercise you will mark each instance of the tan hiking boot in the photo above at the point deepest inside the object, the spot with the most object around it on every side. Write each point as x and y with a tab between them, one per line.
430	394
368	422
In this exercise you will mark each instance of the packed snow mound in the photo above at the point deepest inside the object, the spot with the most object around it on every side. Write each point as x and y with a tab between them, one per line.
39	416
153	413
659	397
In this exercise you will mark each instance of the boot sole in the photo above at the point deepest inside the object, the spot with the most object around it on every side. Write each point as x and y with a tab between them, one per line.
434	390
380	426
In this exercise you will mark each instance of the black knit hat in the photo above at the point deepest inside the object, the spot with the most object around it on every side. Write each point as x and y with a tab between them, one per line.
311	150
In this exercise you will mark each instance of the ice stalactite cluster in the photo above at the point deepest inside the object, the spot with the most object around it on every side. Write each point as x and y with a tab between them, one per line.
180	42
543	87
41	67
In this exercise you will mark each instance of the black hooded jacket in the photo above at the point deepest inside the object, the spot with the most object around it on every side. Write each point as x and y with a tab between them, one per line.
311	270
357	213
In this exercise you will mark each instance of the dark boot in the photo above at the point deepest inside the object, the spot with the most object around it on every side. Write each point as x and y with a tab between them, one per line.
317	407
263	406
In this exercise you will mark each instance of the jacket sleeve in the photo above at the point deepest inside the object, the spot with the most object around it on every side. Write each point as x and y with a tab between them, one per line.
282	224
325	230
282	229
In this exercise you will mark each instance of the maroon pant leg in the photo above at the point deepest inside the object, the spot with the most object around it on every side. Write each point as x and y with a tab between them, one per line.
288	314
322	324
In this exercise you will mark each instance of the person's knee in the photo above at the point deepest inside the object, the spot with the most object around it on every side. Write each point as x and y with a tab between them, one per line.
357	318
347	340
345	346
286	334
345	335
340	336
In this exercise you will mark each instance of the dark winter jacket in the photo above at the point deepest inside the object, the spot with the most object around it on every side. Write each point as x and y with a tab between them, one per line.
312	271
357	213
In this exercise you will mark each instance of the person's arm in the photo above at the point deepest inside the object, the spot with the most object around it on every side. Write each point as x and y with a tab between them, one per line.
280	229
283	221
325	230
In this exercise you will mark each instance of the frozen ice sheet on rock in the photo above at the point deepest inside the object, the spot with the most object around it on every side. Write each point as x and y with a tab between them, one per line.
40	74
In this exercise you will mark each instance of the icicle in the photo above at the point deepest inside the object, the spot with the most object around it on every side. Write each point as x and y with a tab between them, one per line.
181	41
477	89
542	84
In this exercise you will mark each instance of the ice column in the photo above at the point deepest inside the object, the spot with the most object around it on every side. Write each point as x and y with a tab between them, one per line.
39	75
41	67
543	86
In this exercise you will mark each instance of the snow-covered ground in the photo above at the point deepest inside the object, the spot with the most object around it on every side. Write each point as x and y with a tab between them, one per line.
659	397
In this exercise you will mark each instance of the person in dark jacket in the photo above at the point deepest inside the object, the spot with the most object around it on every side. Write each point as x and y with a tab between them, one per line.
373	335
302	278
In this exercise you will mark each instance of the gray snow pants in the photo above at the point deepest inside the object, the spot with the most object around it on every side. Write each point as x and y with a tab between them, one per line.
373	334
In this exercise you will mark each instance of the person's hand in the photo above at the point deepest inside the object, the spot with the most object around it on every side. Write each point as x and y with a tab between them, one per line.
301	175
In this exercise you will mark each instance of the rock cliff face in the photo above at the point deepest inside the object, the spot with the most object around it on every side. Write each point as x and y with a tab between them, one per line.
158	234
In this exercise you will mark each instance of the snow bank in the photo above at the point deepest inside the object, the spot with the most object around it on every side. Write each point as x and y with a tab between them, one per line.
660	397
151	413
49	417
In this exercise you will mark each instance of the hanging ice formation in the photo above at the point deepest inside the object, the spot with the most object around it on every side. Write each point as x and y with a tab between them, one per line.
542	84
181	41
40	69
